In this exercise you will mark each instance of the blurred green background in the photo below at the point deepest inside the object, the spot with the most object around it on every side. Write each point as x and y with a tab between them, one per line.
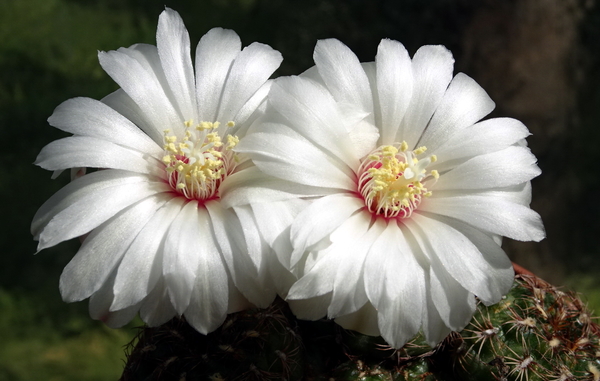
538	60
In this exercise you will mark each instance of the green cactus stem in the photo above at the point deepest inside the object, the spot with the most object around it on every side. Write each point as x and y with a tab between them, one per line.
537	332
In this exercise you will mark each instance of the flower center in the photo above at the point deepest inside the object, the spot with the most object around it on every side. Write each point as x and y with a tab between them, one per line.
391	180
198	164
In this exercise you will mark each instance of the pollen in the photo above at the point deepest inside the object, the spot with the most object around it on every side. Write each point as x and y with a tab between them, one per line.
393	180
198	162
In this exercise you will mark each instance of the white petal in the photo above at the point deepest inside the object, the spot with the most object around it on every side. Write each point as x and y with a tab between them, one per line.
103	249
208	304
501	272
89	117
312	308
214	56
432	68
173	43
232	242
454	304
182	252
364	137
251	110
91	152
313	112
281	277
259	290
463	104
434	328
364	321
321	278
342	72
520	193
511	166
394	87
399	319
100	303
484	137
236	301
274	222
395	285
490	214
462	259
319	220
255	246
87	202
349	292
137	70
295	160
141	267
124	105
254	186
249	71
227	231
156	308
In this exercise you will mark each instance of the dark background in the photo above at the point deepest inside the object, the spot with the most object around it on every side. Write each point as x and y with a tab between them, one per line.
538	60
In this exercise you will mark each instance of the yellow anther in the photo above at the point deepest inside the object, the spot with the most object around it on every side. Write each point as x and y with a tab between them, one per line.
232	141
433	158
420	150
171	147
403	146
189	123
204	126
435	174
231	123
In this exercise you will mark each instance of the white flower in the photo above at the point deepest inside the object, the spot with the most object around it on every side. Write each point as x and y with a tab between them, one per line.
410	192
159	241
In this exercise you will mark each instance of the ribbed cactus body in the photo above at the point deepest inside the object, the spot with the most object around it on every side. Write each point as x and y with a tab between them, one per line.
536	332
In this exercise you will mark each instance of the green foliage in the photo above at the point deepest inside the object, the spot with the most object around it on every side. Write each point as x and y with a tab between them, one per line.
589	286
40	344
64	37
48	54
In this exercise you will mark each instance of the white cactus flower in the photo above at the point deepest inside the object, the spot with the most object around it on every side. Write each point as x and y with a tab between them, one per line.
158	239
410	193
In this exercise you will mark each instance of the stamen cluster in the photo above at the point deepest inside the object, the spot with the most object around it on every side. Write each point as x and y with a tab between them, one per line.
391	180
198	164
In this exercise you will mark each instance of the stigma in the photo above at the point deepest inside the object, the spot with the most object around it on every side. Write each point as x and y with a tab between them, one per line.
199	162
393	180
